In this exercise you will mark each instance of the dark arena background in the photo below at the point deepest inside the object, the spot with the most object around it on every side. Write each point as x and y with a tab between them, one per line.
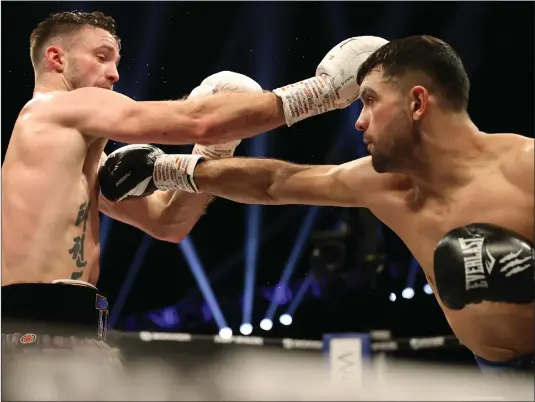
294	272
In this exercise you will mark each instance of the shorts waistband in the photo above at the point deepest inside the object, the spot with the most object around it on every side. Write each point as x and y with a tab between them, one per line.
49	307
524	362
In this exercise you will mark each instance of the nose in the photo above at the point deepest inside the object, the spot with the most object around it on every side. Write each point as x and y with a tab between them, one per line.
363	120
362	123
112	75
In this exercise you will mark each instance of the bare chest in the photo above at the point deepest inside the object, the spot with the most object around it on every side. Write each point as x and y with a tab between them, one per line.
493	201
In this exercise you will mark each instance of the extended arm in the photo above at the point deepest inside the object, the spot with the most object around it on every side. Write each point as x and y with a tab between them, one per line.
219	118
214	119
268	181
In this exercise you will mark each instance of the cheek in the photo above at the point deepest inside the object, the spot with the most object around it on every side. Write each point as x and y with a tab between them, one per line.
380	118
94	66
89	65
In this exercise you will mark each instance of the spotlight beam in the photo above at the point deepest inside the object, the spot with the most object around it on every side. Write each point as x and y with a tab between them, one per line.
188	250
411	275
129	280
299	245
222	270
254	218
300	294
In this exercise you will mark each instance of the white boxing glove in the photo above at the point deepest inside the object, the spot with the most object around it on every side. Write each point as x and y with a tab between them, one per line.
229	81
335	84
224	81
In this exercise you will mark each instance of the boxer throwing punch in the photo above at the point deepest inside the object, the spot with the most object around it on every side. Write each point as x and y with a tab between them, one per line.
51	199
461	200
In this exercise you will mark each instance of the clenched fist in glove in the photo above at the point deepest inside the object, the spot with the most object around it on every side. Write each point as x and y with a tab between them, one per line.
139	170
335	84
224	81
128	172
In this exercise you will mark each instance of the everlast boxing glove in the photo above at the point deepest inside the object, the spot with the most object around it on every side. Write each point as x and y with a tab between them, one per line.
483	262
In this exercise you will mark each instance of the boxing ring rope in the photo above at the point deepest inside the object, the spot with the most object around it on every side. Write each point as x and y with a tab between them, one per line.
413	343
186	366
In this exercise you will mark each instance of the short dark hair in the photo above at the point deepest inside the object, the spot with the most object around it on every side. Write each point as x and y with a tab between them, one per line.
428	55
67	22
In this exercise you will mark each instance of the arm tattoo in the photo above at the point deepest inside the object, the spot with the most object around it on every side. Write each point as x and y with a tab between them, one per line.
77	250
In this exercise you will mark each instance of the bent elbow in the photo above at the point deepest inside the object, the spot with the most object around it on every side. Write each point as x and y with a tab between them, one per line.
171	234
174	238
170	237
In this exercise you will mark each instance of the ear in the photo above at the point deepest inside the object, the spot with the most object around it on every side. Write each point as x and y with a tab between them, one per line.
419	101
55	58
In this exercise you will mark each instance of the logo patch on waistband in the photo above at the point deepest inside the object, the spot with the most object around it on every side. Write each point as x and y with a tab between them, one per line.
102	307
28	338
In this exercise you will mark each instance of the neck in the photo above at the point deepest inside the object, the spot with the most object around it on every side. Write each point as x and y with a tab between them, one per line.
443	160
46	82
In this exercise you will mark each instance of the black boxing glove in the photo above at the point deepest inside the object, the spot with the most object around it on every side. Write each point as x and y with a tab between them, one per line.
140	170
484	262
128	172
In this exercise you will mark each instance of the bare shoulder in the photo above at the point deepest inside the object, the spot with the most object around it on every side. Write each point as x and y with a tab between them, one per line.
517	159
510	142
514	148
62	109
382	193
64	103
361	172
37	127
50	107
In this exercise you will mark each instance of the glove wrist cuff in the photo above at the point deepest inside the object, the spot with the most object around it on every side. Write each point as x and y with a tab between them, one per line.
307	98
214	151
175	172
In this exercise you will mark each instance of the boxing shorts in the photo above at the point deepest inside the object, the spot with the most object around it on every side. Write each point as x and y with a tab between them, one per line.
520	364
53	316
56	334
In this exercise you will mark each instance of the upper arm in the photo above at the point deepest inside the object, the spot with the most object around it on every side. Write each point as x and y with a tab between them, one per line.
352	184
103	113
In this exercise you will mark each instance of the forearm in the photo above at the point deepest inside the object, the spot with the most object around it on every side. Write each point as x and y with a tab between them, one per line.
247	180
208	120
165	215
180	211
234	116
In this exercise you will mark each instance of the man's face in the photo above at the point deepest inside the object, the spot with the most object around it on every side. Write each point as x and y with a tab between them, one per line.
386	122
91	59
